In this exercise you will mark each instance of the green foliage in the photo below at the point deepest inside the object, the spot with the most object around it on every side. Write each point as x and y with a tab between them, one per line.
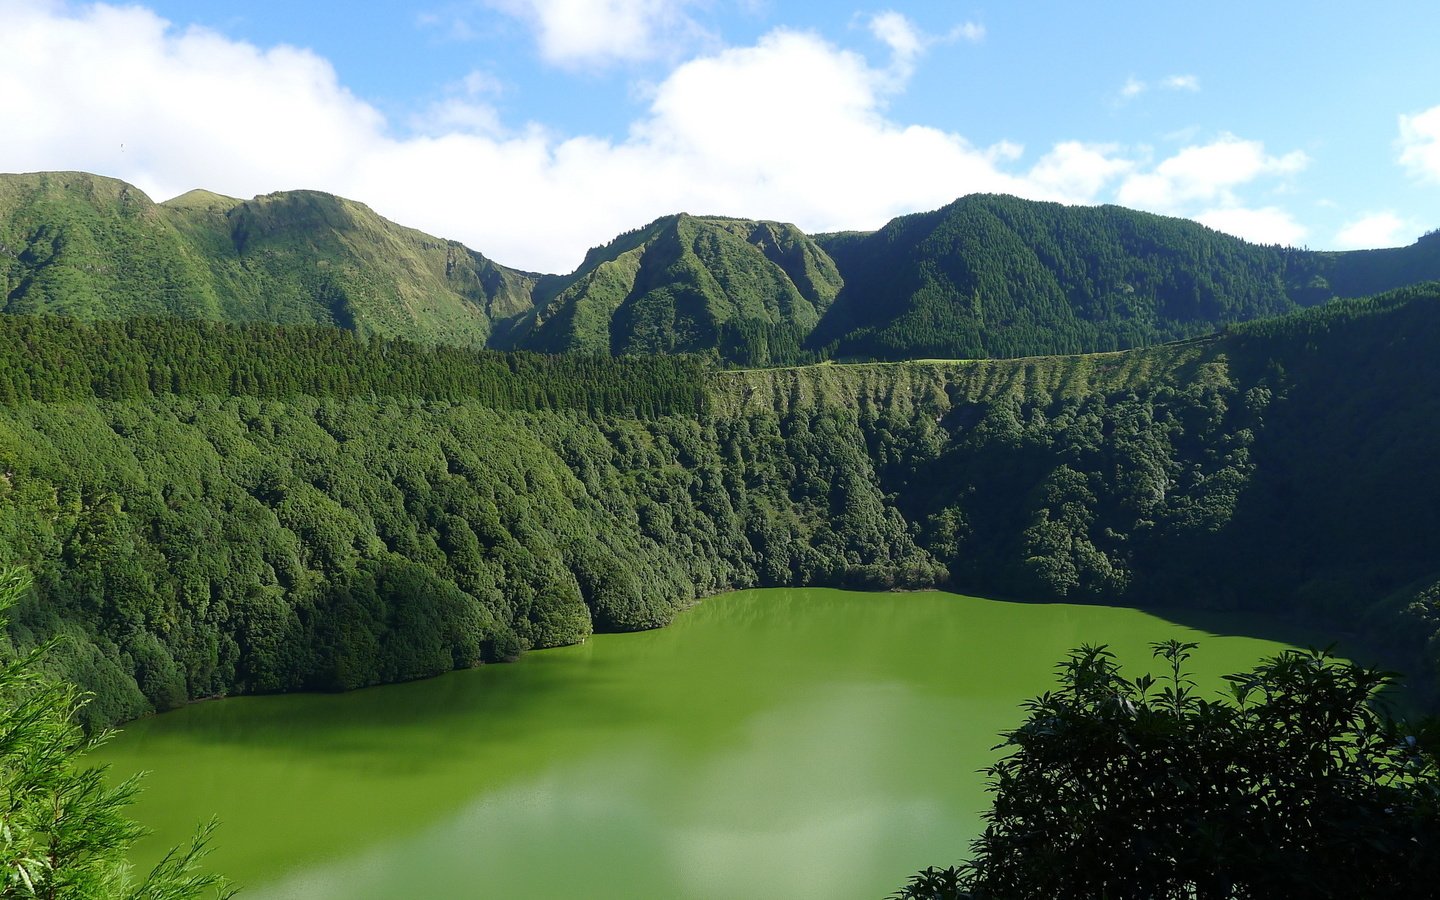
1290	786
63	830
200	546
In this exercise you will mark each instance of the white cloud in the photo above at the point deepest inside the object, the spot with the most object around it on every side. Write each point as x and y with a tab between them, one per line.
908	43
116	90
1381	229
1268	225
168	109
1073	172
1420	144
599	32
1133	87
898	33
465	108
974	32
833	158
1206	174
128	95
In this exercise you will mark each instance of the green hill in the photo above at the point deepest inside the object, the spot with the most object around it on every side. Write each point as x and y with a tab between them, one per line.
996	276
96	248
686	284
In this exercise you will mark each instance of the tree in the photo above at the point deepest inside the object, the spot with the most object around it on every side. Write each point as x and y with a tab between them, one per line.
1292	785
63	830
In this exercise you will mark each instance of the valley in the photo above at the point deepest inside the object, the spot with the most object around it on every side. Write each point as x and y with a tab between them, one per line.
286	447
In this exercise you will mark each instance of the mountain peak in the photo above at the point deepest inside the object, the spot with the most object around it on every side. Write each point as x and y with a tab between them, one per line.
200	198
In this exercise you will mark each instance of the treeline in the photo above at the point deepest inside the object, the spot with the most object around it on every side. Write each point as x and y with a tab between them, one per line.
49	359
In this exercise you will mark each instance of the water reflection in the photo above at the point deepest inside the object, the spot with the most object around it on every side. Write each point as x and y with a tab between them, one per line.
769	743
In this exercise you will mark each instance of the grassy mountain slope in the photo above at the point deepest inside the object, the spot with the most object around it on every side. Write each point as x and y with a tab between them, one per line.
96	248
683	283
996	276
91	247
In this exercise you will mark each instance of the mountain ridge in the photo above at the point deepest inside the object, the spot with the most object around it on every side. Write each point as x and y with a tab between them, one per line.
93	247
984	276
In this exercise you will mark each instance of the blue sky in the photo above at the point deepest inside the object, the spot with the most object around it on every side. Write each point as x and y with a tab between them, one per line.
533	129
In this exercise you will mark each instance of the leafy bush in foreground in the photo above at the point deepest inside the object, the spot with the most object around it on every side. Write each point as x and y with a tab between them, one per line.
1291	786
63	831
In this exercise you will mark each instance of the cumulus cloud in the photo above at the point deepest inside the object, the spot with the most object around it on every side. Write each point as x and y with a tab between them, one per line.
820	148
466	107
791	128
171	108
1373	230
118	90
1267	225
1073	172
908	43
1134	87
1205	182
575	33
1207	174
974	32
1420	144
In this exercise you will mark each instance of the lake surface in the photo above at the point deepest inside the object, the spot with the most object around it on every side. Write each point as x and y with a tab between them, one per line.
775	743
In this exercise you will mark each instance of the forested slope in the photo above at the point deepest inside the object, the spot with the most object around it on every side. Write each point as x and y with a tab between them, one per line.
750	291
997	276
311	531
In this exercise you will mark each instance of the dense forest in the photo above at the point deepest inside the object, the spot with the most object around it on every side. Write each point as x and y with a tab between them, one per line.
211	509
986	276
997	276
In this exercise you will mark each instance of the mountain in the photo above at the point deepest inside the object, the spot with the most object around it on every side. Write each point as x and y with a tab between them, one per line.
688	284
996	276
986	276
96	248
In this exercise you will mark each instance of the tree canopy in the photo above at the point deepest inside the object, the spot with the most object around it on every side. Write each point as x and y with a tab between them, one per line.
63	828
1290	784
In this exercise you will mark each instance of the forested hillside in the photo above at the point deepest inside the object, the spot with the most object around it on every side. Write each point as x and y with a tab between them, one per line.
308	529
750	291
996	276
986	276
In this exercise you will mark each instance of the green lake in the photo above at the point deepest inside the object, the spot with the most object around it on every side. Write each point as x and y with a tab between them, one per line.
775	743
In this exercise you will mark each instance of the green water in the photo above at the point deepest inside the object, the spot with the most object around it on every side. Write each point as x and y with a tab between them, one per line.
778	743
